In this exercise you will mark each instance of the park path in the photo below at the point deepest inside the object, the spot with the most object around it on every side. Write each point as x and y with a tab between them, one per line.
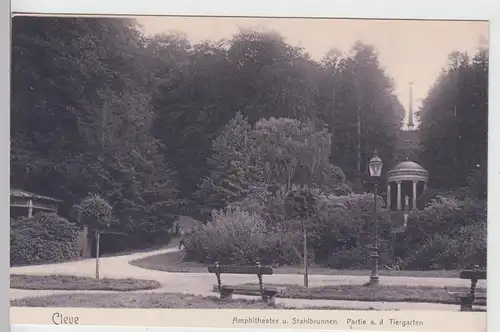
202	283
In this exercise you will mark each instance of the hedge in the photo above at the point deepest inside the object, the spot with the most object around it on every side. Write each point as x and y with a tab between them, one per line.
41	239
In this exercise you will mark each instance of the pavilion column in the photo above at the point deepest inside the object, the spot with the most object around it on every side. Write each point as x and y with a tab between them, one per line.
425	186
399	195
415	195
389	196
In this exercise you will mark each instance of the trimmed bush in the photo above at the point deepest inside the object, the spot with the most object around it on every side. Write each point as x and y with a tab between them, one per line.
94	211
43	238
301	203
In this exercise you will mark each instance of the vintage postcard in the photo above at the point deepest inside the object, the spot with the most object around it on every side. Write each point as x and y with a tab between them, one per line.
294	173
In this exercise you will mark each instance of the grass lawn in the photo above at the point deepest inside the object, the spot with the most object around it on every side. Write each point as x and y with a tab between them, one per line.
61	282
381	293
137	300
174	262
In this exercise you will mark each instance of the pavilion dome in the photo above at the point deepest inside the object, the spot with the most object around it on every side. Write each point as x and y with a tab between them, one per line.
407	171
407	165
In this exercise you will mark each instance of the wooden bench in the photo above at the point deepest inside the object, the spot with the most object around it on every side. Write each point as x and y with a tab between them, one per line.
268	294
468	298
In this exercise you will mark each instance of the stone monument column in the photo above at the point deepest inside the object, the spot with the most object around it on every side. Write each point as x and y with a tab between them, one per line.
414	195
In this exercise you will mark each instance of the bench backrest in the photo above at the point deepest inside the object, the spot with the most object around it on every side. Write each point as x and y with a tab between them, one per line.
473	274
225	269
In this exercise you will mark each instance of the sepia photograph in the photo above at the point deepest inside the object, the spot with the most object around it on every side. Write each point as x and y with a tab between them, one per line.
248	163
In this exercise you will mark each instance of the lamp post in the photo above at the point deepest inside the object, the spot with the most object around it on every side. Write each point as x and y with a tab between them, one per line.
375	167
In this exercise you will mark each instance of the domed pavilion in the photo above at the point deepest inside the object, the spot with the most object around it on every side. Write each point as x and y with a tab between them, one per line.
405	183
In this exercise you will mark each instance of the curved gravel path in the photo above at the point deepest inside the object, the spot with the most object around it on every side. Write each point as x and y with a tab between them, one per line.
201	283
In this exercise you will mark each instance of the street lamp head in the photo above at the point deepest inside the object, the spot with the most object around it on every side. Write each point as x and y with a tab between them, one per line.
375	165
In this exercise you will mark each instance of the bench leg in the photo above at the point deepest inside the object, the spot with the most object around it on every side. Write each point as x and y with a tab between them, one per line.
465	305
224	294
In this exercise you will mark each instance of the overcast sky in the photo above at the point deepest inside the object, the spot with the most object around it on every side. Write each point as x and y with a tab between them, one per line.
410	51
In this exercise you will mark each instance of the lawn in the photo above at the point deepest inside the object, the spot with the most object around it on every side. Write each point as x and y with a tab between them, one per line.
138	300
62	282
174	262
381	293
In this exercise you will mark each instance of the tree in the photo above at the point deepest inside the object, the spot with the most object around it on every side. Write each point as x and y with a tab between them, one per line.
271	77
454	120
302	204
234	168
95	213
192	103
360	108
81	120
257	74
293	152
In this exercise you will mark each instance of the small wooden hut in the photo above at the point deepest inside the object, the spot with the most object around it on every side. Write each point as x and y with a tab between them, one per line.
26	204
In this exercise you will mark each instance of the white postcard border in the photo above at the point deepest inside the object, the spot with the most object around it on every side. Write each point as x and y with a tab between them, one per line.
394	9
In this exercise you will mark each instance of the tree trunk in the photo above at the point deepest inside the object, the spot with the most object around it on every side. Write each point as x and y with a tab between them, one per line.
358	124
306	272
358	144
98	238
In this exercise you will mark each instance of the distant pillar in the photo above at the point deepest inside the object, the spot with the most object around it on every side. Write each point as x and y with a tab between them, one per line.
415	195
389	196
425	186
399	196
30	208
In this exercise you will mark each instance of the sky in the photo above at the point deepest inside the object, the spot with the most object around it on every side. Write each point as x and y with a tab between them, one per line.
410	51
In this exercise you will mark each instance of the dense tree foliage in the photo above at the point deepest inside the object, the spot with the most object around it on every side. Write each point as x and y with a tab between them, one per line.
361	109
454	124
81	119
203	86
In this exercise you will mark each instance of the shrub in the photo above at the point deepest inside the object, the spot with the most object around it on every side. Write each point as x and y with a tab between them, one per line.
442	251
231	236
268	202
43	238
338	232
344	227
235	236
450	233
445	215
